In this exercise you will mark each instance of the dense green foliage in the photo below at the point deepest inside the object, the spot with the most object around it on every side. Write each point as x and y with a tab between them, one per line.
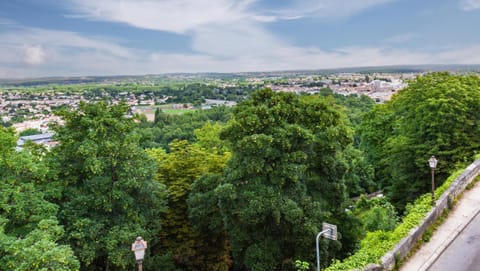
243	188
108	192
178	169
360	172
285	177
355	105
437	114
376	214
29	230
167	127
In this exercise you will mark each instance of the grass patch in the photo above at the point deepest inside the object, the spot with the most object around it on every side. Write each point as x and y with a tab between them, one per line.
177	111
166	108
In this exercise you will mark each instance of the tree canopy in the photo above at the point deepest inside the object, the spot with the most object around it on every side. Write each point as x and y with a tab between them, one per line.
284	178
437	114
109	193
29	231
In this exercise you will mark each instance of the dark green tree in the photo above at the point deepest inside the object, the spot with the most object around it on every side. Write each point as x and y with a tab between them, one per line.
376	214
169	127
284	179
30	131
109	192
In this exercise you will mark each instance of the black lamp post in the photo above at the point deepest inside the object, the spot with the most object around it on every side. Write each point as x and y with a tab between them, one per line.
433	164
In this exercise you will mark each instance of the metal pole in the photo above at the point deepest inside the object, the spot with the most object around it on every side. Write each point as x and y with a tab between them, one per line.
433	186
318	250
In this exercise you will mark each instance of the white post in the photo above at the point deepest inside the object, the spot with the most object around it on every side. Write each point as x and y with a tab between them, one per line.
318	249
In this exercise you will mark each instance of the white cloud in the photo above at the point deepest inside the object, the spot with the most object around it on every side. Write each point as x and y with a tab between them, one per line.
219	28
33	55
177	16
94	57
181	16
226	36
63	39
469	5
40	52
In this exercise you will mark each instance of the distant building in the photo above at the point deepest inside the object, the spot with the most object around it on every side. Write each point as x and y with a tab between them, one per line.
43	139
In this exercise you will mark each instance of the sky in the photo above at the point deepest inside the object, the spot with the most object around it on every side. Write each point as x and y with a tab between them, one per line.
40	38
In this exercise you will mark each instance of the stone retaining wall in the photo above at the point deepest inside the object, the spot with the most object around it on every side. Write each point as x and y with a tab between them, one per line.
402	249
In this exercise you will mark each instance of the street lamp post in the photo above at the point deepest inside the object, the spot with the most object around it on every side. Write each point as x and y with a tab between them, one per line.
433	164
138	248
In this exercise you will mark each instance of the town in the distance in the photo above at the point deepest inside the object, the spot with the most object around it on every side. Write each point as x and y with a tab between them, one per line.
28	103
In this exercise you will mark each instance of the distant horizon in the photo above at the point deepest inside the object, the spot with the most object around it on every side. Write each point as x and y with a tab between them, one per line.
128	37
365	69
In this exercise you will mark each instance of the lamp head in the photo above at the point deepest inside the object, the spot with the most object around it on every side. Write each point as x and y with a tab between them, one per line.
433	162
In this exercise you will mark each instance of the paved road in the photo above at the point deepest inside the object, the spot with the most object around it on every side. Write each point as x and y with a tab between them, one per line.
459	218
463	254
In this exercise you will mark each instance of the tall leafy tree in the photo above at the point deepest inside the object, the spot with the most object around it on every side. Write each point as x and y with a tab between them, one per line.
29	230
178	169
109	192
284	179
437	114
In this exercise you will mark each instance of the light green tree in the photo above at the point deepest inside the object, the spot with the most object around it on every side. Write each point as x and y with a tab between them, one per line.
38	250
178	169
29	230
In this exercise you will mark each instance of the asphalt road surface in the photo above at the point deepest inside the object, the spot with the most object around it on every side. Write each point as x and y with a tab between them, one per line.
463	254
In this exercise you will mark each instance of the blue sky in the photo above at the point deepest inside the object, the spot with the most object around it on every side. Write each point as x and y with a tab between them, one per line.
121	37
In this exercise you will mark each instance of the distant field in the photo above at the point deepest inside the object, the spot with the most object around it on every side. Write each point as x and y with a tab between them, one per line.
149	111
177	111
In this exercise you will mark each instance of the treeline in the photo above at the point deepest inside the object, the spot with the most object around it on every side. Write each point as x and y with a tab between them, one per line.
179	92
243	188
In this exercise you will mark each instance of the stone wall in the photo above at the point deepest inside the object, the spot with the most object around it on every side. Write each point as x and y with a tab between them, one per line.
403	248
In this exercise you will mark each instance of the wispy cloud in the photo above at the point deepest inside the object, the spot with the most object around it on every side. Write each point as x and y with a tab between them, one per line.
180	16
219	28
39	51
469	5
225	35
322	8
177	16
69	53
35	37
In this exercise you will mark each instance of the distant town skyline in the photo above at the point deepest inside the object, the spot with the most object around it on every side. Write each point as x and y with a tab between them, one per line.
134	37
